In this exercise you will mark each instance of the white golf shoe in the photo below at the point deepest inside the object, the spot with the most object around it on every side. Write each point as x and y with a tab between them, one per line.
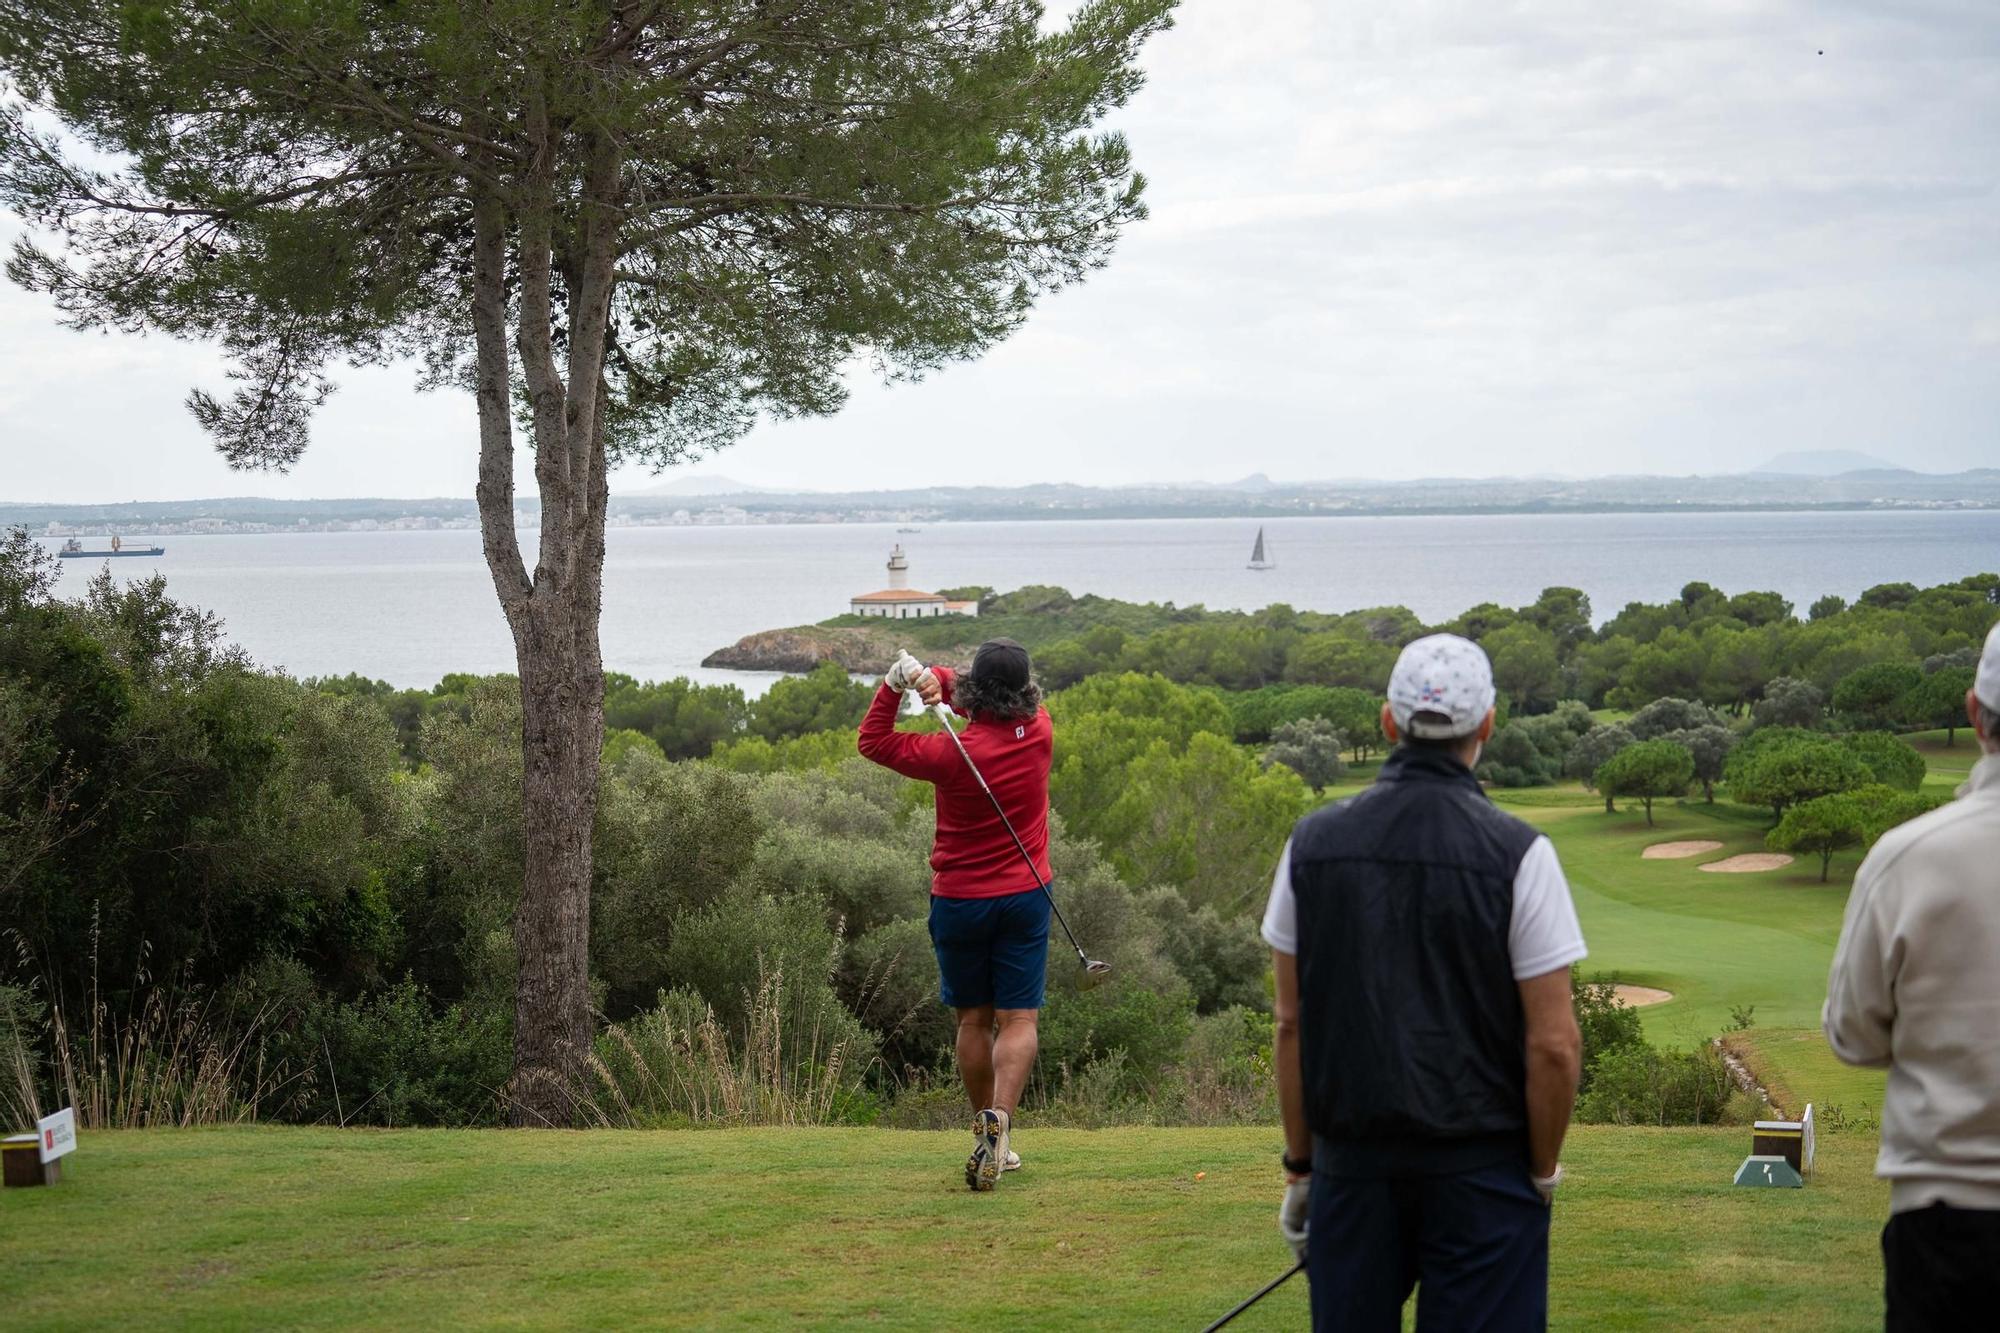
989	1150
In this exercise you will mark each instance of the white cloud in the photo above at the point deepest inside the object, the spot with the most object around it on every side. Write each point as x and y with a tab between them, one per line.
1387	239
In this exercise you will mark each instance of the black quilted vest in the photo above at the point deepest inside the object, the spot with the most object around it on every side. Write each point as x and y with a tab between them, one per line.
1412	1040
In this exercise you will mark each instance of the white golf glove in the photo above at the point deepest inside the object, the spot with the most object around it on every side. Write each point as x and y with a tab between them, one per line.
905	672
1292	1216
1546	1185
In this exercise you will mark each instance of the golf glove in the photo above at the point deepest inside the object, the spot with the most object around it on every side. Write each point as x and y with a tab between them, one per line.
904	672
1292	1216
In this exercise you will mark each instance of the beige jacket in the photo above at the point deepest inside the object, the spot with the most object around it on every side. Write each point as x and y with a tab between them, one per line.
1916	988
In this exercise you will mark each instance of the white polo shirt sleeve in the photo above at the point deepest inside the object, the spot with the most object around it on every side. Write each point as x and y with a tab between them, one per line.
1543	936
1281	914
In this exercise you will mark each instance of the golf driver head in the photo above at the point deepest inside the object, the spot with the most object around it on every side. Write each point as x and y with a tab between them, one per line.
1095	972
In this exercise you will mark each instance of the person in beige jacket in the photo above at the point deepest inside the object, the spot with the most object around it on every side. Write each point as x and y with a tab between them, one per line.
1915	989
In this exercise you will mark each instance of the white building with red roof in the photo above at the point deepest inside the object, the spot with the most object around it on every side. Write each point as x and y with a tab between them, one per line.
899	601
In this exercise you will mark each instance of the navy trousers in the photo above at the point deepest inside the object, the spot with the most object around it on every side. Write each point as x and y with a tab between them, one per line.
1940	1269
1475	1247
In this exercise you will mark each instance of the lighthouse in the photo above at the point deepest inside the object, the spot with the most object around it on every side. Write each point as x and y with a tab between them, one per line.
899	601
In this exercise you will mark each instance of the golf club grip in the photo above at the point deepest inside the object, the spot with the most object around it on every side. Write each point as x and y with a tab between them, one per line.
1262	1292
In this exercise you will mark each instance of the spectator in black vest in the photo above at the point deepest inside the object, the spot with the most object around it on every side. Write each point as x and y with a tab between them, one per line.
1427	1055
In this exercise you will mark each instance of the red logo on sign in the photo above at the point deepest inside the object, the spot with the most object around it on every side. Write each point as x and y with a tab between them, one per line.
48	1138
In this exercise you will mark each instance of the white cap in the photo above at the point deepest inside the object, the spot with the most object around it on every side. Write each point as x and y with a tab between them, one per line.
1986	684
1441	674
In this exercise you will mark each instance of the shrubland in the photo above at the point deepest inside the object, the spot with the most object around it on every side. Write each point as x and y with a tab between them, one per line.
293	899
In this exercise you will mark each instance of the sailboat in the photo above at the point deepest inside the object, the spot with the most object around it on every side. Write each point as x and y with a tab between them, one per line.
1259	557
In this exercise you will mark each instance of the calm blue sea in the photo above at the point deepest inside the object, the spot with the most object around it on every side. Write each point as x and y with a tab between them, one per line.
410	606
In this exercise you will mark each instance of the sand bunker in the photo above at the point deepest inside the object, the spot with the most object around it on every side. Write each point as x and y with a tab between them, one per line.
1641	996
1675	851
1748	864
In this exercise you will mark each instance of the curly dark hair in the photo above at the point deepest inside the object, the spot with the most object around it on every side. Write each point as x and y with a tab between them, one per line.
973	697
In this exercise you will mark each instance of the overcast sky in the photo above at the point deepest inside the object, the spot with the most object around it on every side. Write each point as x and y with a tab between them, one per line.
1389	239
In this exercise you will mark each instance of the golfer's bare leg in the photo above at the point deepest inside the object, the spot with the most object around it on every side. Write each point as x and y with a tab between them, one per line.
1013	1056
975	1054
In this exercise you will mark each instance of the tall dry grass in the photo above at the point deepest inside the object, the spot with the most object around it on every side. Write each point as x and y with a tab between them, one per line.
676	1065
162	1054
20	1059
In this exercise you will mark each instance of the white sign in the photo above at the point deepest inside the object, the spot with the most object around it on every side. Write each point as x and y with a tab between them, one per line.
58	1133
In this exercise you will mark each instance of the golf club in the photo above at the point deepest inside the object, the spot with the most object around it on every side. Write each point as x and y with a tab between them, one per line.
1264	1291
1094	969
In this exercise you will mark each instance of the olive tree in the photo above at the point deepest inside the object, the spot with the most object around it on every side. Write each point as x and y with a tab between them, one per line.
628	227
1311	748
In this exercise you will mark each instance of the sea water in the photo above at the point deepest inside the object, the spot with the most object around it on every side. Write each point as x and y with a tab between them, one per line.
407	607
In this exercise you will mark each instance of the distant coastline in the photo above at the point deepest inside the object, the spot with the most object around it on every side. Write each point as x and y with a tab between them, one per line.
1876	490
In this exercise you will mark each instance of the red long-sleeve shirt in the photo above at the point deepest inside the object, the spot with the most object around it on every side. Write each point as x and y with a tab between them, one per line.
972	856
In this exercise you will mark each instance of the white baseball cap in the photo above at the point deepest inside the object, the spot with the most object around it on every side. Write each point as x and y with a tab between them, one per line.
1986	683
1445	675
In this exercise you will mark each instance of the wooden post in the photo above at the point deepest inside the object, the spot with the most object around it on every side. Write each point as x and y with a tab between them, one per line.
21	1155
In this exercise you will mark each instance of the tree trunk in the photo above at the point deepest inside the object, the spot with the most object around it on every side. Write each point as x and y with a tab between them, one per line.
554	615
562	732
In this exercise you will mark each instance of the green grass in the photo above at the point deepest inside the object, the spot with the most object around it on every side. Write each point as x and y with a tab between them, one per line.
308	1228
1759	942
264	1227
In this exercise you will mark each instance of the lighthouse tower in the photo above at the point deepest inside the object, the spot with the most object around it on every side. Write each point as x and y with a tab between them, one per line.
899	601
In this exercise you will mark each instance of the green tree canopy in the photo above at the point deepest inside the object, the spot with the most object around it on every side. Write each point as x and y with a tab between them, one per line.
1938	700
1821	826
1647	771
1565	614
1526	669
1103	725
824	699
1780	769
1872	696
1890	761
1790	702
1590	753
1337	659
1204	819
684	719
1709	745
1310	747
1662	716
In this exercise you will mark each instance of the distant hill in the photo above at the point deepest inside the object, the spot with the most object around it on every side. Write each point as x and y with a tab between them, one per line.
698	486
1825	463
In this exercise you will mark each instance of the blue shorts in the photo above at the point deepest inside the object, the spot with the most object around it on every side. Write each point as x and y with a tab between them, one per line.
992	950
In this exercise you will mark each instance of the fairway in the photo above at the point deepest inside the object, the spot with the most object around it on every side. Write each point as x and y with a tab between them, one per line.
1760	943
261	1227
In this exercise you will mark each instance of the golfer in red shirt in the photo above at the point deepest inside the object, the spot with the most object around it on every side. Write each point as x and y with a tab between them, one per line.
989	918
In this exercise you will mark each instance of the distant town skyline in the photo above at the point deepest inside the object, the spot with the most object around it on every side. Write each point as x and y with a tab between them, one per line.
1388	241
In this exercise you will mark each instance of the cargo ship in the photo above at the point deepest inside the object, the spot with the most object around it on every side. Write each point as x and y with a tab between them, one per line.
74	550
